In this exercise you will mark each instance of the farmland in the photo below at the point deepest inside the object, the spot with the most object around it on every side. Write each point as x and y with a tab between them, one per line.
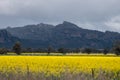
59	67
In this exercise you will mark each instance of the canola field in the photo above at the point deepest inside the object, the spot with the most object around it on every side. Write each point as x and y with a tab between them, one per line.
55	65
58	64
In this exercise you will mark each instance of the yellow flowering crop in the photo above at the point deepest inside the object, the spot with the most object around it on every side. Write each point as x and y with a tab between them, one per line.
57	64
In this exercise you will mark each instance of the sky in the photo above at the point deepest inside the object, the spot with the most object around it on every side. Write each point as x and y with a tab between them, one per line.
91	14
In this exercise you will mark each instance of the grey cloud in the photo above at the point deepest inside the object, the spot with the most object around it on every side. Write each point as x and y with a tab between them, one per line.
114	24
96	14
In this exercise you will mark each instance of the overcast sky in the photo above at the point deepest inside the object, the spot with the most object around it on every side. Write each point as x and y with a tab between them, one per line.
92	14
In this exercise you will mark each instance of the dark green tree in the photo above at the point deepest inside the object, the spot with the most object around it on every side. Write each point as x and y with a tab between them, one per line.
62	50
77	50
105	51
3	51
17	48
116	48
87	50
49	50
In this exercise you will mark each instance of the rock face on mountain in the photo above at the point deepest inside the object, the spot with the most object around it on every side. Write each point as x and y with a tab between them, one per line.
6	39
66	35
33	32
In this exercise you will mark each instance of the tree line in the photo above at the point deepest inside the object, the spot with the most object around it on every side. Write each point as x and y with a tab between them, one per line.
17	48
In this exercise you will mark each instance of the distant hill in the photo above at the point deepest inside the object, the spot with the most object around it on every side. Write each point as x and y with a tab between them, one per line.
66	35
6	39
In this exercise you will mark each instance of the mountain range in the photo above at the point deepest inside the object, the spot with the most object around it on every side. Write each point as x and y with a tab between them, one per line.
67	35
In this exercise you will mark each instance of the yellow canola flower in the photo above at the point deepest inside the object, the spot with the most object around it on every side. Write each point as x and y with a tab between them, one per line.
55	65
